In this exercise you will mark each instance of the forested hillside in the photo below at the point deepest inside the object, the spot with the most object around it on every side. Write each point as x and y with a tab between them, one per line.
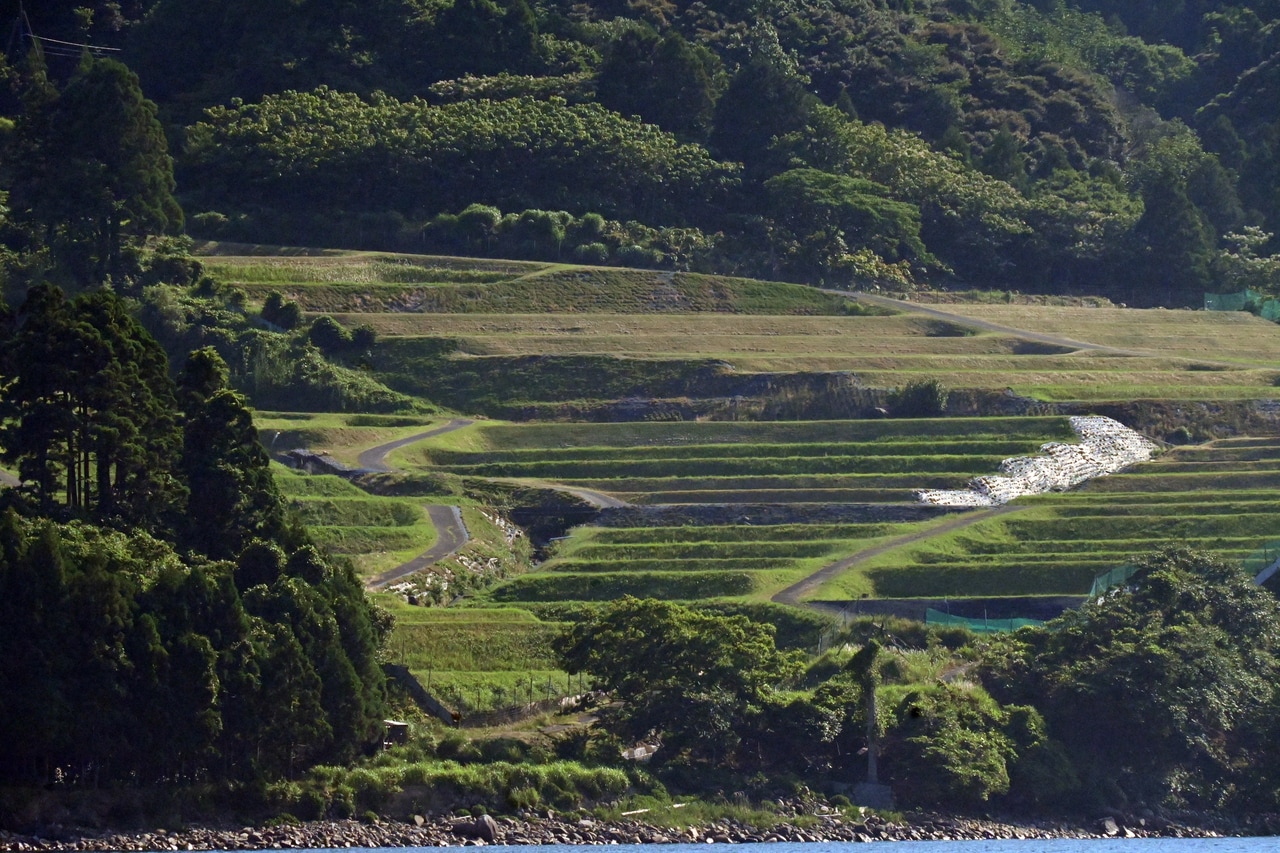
1124	149
211	639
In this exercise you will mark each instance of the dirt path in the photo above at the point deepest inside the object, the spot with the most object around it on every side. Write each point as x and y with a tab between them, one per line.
792	594
451	534
987	326
8	480
375	458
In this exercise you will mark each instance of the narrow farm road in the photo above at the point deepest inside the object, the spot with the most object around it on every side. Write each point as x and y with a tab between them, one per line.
984	325
451	534
792	594
599	500
8	480
375	458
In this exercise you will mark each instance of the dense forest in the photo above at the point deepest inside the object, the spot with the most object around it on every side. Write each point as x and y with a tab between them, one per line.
1124	149
212	640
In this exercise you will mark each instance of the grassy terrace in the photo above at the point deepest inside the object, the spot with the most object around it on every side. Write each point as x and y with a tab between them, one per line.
337	282
725	463
1211	339
375	533
1211	498
476	659
721	462
489	317
1214	498
341	436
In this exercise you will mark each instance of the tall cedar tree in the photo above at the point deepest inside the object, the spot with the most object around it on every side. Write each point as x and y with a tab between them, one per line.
89	412
233	495
91	172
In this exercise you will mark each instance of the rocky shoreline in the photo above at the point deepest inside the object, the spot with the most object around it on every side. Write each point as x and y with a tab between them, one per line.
442	832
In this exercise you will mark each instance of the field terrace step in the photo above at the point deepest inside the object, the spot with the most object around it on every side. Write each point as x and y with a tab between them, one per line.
669	515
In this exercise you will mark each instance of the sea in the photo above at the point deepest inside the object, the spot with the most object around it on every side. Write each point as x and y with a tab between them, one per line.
1056	845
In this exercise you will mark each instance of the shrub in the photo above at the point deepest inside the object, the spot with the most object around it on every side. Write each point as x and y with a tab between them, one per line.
925	398
591	253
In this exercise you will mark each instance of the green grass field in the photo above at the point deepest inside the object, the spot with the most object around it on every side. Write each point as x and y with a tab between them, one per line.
558	339
375	533
488	317
476	659
1208	498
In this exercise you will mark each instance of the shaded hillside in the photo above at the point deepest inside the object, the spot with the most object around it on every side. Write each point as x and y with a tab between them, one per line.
1090	148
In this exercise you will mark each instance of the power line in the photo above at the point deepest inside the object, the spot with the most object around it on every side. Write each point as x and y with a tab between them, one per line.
70	43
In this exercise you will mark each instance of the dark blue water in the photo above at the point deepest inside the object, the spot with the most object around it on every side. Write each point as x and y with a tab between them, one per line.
1057	845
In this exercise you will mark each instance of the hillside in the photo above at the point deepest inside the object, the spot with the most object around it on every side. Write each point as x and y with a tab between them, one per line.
645	338
1052	148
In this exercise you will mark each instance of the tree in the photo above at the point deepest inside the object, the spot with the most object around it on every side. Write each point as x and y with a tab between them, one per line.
92	172
1158	690
233	494
694	679
1175	245
763	101
664	80
90	409
485	37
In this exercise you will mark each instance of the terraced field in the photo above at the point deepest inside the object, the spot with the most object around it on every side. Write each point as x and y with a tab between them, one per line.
799	469
636	332
1218	498
375	533
878	351
477	659
736	511
717	462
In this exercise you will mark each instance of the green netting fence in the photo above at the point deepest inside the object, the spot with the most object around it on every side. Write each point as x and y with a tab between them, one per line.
1245	300
1110	578
1230	301
1262	559
978	626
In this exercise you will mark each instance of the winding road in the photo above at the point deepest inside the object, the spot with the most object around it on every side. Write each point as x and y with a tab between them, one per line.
375	458
451	533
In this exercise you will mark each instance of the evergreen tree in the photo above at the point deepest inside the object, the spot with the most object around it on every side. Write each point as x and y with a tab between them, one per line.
233	495
91	170
762	102
1175	245
665	81
90	410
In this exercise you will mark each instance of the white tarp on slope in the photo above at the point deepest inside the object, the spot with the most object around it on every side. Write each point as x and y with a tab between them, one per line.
1105	447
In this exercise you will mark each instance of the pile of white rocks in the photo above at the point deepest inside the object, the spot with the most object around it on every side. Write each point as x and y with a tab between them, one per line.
1106	446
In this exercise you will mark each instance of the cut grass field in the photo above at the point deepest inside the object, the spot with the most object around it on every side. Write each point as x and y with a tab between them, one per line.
373	282
1208	498
1212	498
375	533
485	316
1210	338
746	462
475	658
